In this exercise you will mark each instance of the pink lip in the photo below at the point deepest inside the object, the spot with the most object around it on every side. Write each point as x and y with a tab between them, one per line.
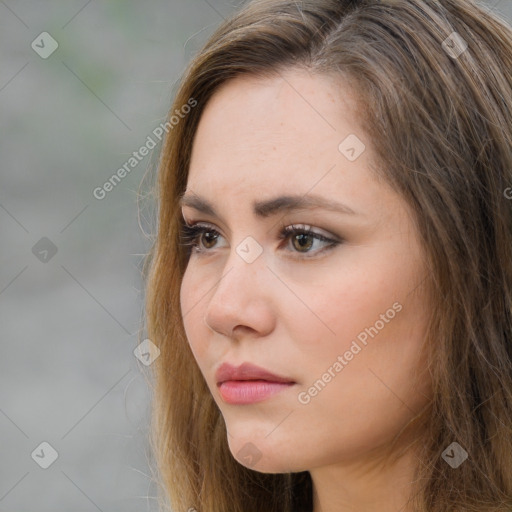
248	383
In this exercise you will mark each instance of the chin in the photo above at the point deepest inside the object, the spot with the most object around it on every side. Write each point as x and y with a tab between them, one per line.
262	455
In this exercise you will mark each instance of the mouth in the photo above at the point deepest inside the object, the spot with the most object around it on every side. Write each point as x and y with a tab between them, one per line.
248	383
240	392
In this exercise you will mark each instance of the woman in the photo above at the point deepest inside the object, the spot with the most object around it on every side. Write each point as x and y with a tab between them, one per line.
330	287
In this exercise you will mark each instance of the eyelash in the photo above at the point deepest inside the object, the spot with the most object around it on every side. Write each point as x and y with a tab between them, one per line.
190	234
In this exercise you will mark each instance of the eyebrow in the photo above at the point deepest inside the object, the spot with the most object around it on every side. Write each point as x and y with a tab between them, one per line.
269	207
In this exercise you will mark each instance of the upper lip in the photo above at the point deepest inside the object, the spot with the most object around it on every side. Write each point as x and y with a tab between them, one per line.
246	371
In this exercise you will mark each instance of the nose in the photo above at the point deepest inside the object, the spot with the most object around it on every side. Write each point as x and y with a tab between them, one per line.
241	300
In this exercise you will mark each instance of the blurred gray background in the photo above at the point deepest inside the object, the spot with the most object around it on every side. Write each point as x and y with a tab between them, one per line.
70	263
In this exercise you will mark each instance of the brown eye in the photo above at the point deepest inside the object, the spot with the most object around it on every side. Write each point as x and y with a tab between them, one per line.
301	241
191	237
209	236
202	239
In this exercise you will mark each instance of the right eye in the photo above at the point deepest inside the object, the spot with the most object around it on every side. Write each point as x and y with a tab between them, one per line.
190	235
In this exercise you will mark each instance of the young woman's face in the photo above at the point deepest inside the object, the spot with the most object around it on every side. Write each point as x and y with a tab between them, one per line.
341	320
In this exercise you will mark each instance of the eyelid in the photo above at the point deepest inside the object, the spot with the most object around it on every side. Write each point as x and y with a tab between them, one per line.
193	222
190	233
282	226
312	229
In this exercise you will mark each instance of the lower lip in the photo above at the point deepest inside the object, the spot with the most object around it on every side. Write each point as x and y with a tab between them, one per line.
250	391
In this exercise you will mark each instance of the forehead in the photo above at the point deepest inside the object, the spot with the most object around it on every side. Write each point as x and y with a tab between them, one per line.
282	128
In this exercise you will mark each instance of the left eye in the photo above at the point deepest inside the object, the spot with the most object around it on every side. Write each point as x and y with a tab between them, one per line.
302	238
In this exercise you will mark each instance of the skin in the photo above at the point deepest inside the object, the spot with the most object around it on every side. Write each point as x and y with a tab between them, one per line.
257	139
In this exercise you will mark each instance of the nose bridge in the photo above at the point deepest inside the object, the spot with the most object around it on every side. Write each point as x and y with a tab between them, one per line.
246	263
239	284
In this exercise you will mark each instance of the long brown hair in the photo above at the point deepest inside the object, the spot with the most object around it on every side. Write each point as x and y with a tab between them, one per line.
439	115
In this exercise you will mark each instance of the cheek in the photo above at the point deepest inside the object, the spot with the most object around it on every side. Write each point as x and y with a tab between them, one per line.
340	305
372	293
368	316
363	400
192	311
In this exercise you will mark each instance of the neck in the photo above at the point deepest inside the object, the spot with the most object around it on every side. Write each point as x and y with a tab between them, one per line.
364	485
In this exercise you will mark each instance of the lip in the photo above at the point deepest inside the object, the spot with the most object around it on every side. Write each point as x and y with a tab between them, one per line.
246	371
248	383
